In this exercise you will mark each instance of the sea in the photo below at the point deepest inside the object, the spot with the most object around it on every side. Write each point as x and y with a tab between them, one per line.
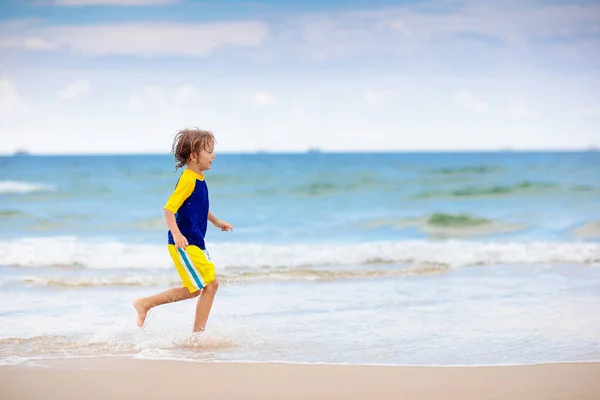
407	258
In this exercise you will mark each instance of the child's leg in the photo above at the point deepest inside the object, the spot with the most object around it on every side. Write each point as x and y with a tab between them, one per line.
204	305
143	305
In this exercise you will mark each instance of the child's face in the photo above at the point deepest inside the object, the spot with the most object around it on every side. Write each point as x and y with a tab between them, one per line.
203	159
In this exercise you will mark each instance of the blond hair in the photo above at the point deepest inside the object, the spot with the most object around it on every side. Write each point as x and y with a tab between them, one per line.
188	141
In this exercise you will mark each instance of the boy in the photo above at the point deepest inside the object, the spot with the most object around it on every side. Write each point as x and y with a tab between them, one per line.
187	213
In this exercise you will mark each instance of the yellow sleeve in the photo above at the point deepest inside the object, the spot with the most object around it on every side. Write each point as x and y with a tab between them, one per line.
183	190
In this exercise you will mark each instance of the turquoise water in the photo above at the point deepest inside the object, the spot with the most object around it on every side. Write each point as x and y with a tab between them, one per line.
403	258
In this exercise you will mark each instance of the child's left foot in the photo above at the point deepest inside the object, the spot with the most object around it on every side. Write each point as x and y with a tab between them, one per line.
141	310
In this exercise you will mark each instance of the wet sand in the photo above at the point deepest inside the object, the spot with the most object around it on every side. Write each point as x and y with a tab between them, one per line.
125	378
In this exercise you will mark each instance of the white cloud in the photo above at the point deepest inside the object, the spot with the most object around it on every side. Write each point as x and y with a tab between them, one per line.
74	90
113	2
446	27
375	97
420	72
147	97
517	109
161	97
316	112
467	101
185	94
10	100
39	44
263	98
591	111
438	33
29	43
136	101
140	39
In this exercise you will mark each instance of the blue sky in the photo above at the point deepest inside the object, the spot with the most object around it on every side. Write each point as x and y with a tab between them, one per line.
121	76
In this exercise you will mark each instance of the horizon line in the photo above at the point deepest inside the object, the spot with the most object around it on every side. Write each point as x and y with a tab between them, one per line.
589	149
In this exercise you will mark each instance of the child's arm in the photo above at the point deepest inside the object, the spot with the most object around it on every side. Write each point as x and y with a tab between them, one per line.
180	240
224	226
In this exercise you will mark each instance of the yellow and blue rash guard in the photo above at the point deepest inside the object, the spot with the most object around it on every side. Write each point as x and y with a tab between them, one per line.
189	203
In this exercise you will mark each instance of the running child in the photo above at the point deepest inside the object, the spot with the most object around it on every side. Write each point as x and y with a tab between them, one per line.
187	213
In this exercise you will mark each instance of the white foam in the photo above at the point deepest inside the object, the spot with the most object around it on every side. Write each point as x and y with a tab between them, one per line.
75	253
155	354
13	360
118	280
64	251
18	187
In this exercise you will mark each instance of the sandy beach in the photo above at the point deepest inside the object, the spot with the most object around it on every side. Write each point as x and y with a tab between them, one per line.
120	378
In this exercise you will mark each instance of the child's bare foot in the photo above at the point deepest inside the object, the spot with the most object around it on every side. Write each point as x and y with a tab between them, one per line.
141	310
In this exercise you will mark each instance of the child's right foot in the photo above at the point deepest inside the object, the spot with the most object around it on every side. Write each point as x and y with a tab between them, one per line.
141	309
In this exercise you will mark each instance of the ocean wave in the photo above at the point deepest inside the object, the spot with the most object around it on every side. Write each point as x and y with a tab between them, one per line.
328	188
62	346
449	225
111	343
443	225
104	281
13	214
18	187
487	191
69	252
236	276
589	230
456	220
477	169
142	224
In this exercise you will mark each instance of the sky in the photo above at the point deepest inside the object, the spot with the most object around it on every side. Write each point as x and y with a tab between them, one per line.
122	76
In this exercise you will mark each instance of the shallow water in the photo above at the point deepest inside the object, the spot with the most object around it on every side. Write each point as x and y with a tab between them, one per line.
410	259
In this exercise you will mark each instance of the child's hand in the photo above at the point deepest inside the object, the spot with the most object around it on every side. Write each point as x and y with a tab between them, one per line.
224	226
180	241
